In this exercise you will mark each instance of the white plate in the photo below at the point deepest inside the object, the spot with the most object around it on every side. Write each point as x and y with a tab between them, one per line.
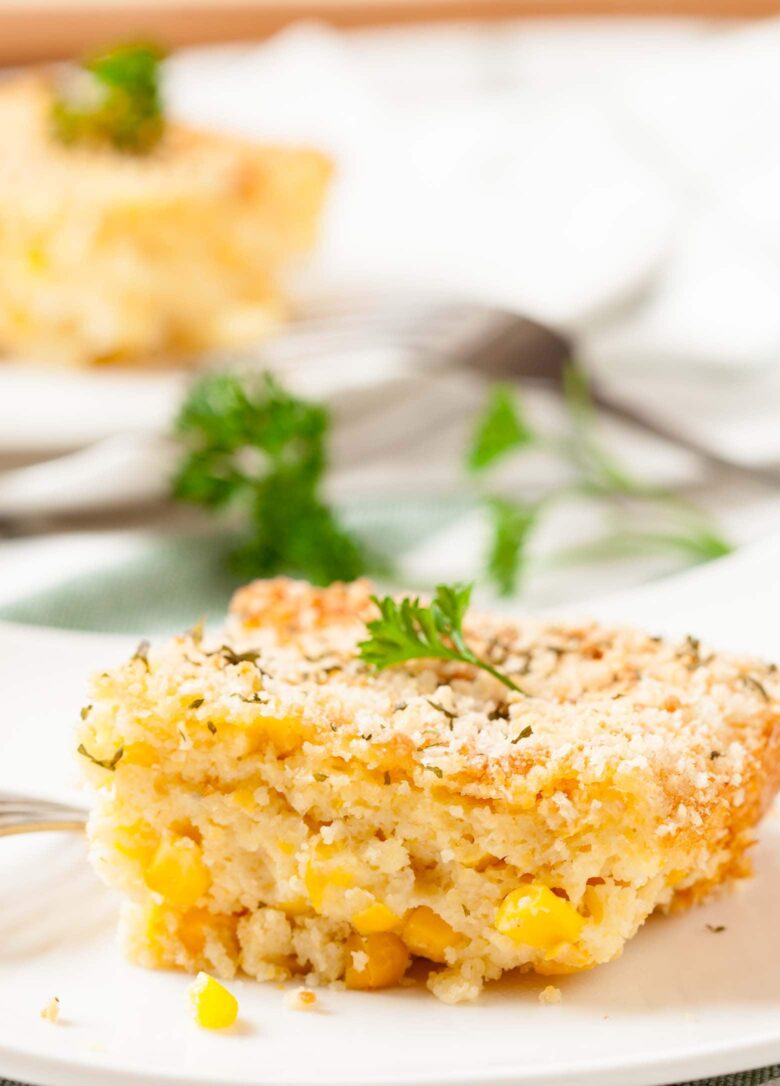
681	1003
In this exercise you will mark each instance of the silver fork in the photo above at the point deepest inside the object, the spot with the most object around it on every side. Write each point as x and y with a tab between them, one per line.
438	336
27	814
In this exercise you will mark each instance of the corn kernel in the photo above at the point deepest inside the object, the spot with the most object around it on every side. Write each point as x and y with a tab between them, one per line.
137	841
375	961
287	847
213	1006
245	797
427	934
285	734
191	929
535	916
298	906
375	917
140	753
178	873
319	881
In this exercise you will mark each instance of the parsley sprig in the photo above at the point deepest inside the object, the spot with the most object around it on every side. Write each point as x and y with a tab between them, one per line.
408	630
639	518
113	99
251	445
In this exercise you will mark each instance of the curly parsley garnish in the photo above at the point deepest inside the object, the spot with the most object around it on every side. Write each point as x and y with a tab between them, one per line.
254	447
408	630
112	99
501	428
638	517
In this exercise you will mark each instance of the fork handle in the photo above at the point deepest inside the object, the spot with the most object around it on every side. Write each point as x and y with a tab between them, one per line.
27	814
769	476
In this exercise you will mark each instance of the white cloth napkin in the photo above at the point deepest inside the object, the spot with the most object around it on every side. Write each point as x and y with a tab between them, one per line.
468	177
618	179
615	177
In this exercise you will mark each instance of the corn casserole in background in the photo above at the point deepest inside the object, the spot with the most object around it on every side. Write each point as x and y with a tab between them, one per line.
132	249
268	802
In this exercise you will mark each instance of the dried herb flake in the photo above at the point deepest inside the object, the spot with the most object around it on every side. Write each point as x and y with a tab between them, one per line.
104	763
142	654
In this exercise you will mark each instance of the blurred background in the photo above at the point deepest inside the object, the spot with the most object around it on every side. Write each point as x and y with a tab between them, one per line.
540	318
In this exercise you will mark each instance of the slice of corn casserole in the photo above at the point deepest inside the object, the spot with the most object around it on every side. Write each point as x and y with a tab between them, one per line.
273	805
108	256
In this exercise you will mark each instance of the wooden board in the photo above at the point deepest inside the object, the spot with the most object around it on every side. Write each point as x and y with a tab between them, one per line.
44	29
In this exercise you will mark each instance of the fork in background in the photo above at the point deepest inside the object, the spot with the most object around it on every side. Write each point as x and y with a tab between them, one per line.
379	363
26	814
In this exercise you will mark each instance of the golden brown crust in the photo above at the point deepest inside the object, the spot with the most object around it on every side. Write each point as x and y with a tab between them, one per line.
293	607
628	777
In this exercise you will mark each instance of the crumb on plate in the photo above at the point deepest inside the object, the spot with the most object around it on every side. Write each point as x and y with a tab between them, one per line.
51	1012
301	999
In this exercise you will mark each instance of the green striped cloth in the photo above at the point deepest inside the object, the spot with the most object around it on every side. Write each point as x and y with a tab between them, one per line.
169	585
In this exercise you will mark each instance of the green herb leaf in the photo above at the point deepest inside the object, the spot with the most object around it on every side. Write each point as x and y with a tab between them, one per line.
107	763
408	630
513	523
253	446
113	99
233	657
142	654
500	429
440	708
760	689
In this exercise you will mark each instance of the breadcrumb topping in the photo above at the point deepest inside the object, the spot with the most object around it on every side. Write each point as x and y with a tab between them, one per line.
601	701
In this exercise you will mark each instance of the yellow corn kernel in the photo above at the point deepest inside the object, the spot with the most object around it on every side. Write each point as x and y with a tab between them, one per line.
427	934
177	872
287	847
140	753
375	961
191	929
319	881
213	1006
298	906
137	842
534	916
285	734
373	918
245	797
